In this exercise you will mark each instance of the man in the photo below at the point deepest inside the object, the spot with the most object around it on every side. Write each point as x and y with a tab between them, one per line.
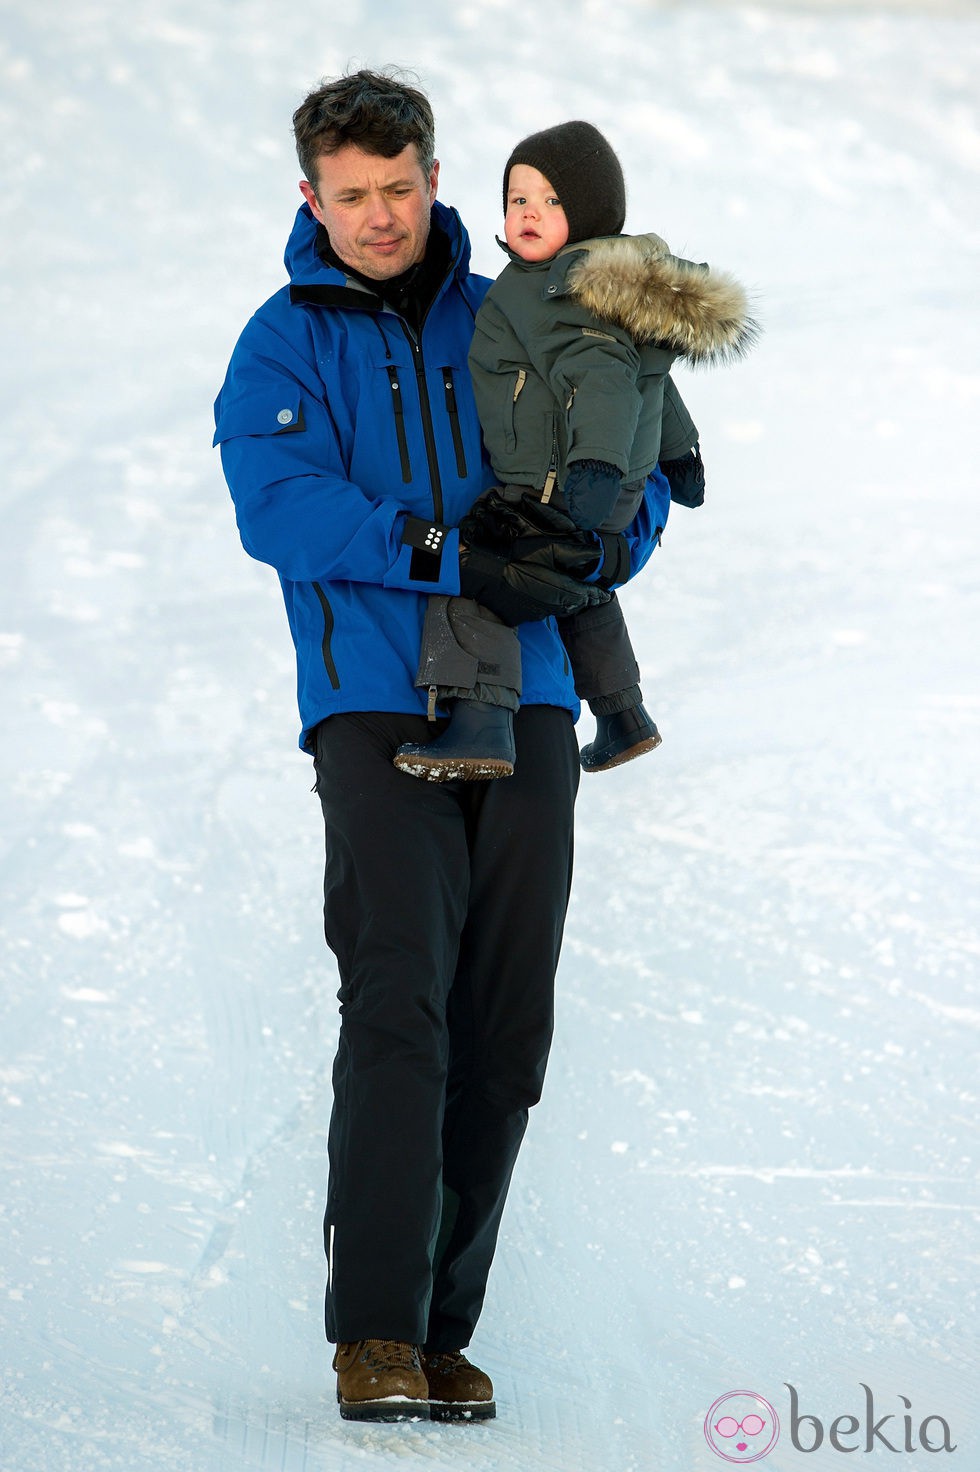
351	446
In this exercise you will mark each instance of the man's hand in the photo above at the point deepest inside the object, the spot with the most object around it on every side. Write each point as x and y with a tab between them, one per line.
521	592
590	491
518	525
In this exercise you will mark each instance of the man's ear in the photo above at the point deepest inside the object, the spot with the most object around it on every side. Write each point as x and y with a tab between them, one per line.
309	194
433	180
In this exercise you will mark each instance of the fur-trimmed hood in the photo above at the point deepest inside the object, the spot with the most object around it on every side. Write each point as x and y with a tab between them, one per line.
634	282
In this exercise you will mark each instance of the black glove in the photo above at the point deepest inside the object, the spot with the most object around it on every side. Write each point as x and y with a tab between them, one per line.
590	491
500	517
516	524
521	592
523	529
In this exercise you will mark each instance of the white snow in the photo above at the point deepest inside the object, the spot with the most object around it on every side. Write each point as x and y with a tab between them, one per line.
756	1159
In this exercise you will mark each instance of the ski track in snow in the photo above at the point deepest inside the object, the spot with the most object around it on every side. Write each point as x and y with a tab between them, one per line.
756	1158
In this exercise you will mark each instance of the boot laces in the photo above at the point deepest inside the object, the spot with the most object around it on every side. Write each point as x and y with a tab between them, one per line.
444	1361
390	1354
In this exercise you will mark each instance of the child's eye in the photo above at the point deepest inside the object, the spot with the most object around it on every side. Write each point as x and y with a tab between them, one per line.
518	199
553	199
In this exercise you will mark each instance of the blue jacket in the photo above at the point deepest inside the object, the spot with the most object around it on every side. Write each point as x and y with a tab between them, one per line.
343	440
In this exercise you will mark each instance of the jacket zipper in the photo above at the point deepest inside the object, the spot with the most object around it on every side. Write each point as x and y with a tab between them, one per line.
453	412
427	429
552	476
518	386
428	432
328	659
399	408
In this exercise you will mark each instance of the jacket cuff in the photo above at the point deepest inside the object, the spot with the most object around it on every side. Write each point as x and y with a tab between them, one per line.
615	566
600	547
429	555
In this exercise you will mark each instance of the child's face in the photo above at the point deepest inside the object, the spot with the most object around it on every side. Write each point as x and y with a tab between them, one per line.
535	226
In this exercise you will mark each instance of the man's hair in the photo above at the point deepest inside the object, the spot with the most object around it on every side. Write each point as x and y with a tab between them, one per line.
377	111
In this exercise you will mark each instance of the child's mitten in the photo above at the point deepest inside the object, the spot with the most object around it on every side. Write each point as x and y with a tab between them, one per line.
590	491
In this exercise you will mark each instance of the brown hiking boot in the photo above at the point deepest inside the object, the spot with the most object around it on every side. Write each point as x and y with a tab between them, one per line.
381	1380
458	1391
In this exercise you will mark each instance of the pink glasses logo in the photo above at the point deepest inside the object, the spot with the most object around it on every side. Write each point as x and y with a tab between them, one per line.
741	1427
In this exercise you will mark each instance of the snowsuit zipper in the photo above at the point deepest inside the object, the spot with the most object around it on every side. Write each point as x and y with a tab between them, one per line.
518	388
552	476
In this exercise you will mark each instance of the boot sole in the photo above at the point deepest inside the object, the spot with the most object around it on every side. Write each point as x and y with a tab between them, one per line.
391	1408
462	1410
617	760
465	769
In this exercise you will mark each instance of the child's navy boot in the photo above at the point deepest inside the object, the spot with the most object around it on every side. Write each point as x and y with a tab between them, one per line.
619	738
476	746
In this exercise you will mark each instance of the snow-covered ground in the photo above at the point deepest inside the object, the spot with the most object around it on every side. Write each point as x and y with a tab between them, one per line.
756	1161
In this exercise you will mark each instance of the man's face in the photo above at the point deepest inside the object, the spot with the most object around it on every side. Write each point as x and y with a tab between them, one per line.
375	210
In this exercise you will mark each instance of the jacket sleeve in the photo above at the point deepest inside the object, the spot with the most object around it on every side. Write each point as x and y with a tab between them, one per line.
679	433
296	509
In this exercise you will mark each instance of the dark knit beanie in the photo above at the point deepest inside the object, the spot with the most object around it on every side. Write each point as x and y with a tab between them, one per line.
583	171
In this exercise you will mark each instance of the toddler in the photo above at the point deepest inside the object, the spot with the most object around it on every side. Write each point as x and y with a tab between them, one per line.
570	361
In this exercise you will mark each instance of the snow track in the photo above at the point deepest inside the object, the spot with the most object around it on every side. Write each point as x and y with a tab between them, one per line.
756	1160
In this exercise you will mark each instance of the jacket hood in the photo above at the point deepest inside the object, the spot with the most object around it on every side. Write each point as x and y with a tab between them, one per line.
634	282
307	268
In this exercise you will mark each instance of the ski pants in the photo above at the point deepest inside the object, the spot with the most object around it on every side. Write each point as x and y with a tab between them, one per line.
444	904
468	654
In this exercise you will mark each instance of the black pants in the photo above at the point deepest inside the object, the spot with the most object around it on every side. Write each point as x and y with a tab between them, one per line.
444	904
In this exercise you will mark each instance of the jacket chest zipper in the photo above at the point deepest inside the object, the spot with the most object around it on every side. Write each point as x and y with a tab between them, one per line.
398	406
428	433
453	412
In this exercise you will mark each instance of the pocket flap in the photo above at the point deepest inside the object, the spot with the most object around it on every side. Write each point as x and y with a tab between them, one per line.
258	409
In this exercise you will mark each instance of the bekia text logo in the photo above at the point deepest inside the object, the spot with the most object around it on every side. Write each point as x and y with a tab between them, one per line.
743	1427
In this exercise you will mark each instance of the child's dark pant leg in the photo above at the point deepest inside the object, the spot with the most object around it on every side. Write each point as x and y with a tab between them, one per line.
598	645
468	654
